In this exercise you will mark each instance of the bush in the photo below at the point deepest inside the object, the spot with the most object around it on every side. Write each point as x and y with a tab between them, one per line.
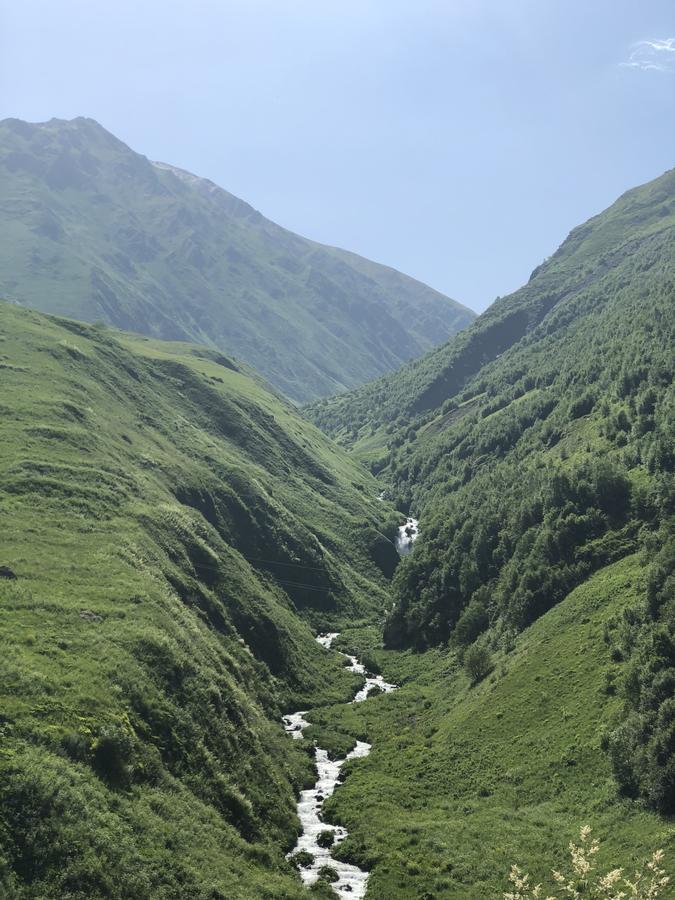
472	622
477	662
326	838
328	873
303	859
371	664
112	754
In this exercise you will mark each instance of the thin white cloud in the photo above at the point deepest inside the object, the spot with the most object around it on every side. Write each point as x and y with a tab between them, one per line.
654	56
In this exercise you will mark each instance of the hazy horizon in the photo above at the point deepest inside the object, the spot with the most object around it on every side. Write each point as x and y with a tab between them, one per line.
458	143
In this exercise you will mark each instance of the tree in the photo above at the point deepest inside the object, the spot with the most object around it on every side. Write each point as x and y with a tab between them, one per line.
477	662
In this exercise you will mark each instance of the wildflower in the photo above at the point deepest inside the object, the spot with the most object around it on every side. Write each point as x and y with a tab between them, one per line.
648	884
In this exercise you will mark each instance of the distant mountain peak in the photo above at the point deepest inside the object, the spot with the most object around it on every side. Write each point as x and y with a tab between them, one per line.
95	231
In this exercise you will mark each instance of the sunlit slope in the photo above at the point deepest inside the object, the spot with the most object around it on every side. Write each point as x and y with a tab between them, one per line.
463	781
91	229
169	530
628	245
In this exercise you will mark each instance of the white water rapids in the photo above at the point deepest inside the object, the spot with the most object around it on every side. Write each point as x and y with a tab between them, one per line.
352	881
407	535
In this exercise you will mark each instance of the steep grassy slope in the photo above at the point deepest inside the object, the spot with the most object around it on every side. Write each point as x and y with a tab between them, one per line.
464	781
169	530
92	230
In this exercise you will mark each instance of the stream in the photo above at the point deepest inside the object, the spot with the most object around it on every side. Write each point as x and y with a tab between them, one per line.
352	881
407	535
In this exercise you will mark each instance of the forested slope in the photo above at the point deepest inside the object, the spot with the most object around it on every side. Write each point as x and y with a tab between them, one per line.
538	448
593	261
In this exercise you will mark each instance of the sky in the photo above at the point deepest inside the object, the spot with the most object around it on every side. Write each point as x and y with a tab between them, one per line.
456	140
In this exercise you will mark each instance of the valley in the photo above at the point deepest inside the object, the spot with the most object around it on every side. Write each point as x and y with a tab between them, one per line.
314	850
483	542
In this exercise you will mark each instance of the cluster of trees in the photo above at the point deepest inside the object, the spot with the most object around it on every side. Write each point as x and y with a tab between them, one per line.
538	446
642	747
522	502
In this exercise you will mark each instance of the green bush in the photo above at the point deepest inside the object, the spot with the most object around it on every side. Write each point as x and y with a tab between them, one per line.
326	838
472	622
477	662
112	755
328	873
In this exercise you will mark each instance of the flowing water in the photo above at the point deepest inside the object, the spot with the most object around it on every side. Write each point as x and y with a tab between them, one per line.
407	535
352	881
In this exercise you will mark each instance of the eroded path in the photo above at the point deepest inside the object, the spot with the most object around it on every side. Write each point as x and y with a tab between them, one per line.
352	881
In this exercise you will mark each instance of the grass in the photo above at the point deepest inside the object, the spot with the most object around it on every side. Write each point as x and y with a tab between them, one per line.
464	781
177	533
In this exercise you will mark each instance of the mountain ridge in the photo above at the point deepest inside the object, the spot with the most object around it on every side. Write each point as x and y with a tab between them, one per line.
645	211
93	230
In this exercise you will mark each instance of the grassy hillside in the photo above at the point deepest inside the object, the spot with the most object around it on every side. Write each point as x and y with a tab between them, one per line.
463	781
537	449
170	530
92	230
173	531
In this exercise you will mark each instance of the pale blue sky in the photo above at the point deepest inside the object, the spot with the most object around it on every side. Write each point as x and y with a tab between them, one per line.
458	141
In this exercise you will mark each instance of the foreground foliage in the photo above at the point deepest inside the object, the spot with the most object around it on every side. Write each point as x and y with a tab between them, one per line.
648	882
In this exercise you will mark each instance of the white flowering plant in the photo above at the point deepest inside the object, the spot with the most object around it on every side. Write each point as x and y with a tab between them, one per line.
585	883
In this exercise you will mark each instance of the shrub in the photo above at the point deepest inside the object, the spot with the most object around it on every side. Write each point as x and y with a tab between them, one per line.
328	873
582	405
326	838
303	859
112	754
472	622
371	664
477	662
76	746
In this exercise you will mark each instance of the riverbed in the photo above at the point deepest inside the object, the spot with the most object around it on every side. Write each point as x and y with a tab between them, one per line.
352	881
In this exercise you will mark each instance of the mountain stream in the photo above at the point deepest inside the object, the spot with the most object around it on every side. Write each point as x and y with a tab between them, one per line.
407	535
352	881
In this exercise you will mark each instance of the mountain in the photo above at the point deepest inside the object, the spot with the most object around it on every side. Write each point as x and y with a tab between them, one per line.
170	532
596	257
174	534
537	450
92	230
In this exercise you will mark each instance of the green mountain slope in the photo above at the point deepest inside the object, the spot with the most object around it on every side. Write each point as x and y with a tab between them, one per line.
464	781
537	449
589	267
92	230
170	531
